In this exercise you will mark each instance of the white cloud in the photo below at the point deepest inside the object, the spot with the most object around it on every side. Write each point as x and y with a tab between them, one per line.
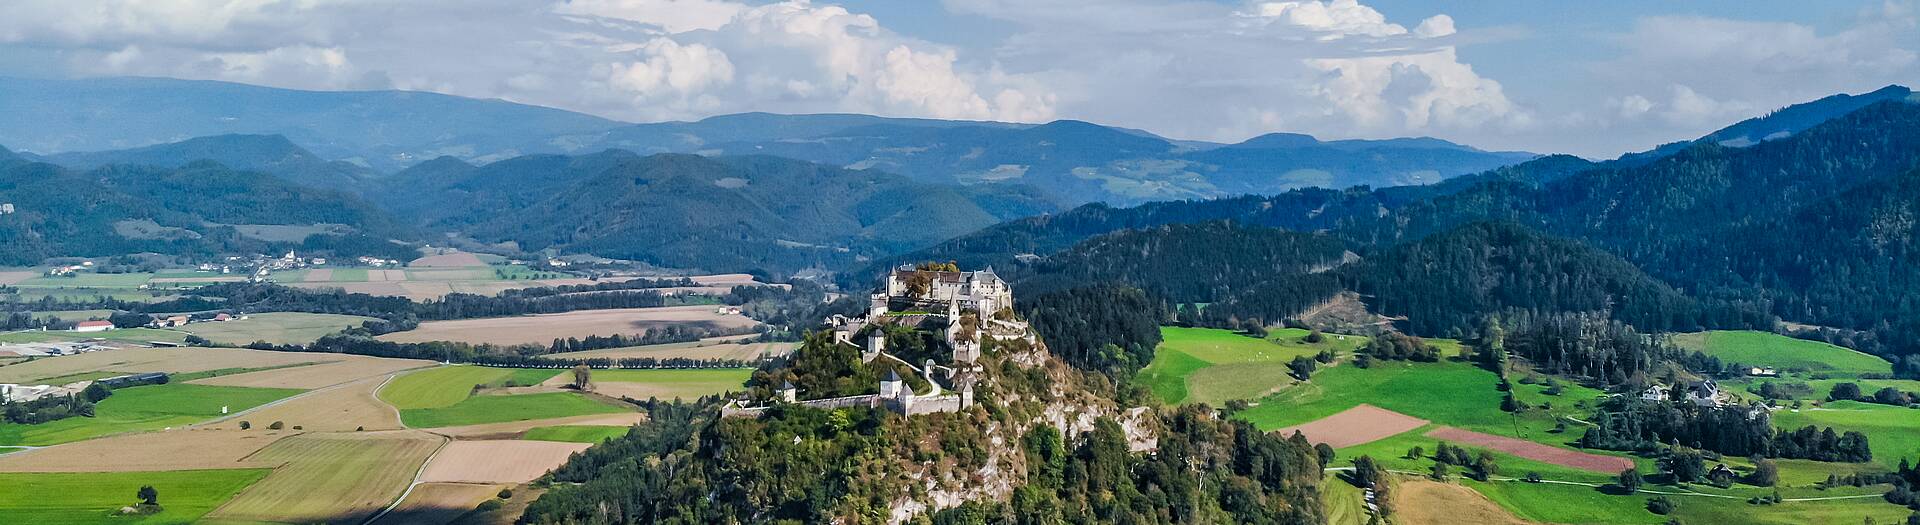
1334	68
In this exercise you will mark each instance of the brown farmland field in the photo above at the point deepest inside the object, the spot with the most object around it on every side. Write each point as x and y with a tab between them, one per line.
437	503
1422	502
513	429
505	461
349	368
711	348
177	449
342	408
1355	426
1534	451
331	478
544	328
170	360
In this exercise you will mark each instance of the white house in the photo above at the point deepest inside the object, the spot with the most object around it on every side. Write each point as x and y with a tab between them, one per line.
93	326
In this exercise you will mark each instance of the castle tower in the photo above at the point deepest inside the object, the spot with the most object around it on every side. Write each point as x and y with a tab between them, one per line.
788	393
892	385
876	343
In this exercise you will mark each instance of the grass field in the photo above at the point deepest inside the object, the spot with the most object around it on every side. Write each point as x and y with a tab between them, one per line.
1893	433
89	280
89	498
495	409
1782	352
575	433
277	328
131	335
143	408
668	384
449	385
1200	365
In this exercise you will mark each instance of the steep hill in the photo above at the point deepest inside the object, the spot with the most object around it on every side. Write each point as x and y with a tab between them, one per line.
264	153
722	214
385	130
1186	263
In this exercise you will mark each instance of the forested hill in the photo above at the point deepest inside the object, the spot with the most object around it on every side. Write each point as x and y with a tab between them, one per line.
752	213
1185	263
1804	226
1448	283
263	153
181	211
1779	124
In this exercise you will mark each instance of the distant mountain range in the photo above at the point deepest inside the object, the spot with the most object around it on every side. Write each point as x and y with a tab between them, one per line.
386	131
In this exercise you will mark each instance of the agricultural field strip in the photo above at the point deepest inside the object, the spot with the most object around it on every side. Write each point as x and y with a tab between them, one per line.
343	384
416	473
1600	485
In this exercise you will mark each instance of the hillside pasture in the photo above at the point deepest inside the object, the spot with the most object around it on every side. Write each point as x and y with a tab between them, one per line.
276	328
60	498
140	408
331	477
1786	353
1201	365
687	384
542	329
1891	431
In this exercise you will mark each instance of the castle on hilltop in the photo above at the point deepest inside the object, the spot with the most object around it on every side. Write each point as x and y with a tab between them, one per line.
963	308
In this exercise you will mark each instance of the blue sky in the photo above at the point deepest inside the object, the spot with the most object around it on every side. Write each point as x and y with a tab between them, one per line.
1589	78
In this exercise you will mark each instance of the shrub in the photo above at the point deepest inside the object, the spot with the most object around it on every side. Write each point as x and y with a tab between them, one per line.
1660	505
246	425
276	426
506	493
489	505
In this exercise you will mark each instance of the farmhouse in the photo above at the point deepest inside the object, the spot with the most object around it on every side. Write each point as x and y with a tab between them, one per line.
1759	371
1655	393
93	326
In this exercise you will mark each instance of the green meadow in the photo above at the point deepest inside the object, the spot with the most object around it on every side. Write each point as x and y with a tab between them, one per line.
499	409
449	385
139	408
678	383
575	433
1203	365
1782	352
94	497
1893	433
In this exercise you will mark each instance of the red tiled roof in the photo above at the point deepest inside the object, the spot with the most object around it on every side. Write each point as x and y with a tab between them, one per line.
91	324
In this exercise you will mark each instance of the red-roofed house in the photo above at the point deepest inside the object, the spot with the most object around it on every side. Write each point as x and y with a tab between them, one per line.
93	326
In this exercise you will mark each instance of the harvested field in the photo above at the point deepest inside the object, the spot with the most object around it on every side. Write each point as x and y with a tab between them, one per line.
712	348
544	328
436	503
323	275
513	429
352	368
177	449
331	478
1355	426
447	260
14	277
386	275
1422	502
497	461
1533	451
343	408
170	360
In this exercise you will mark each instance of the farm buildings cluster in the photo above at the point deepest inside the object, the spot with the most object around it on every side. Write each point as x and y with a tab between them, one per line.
961	307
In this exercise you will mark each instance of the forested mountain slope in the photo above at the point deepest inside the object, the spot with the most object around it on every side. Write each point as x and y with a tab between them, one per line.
686	211
272	154
181	211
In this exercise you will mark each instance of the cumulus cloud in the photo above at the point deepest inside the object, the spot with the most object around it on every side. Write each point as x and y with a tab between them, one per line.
630	59
1204	70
